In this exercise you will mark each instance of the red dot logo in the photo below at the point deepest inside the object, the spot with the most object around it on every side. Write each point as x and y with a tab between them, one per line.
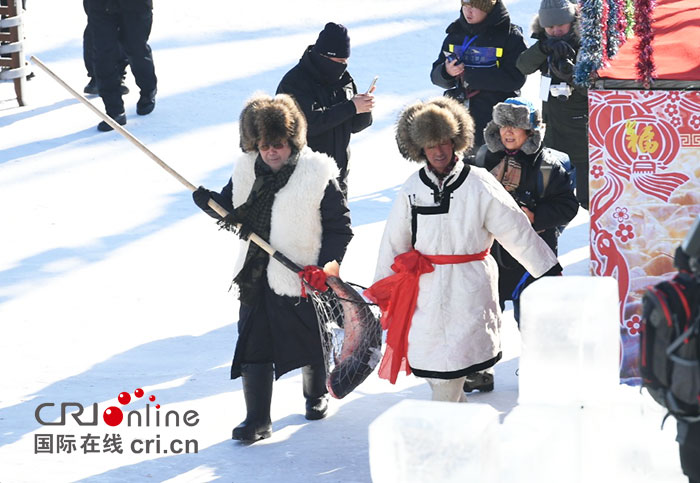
138	392
124	398
113	416
157	406
151	398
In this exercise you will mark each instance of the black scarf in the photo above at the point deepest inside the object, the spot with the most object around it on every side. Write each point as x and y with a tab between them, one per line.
329	70
255	215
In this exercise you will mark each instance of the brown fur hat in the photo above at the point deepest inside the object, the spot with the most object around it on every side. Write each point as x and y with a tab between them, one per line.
428	123
272	119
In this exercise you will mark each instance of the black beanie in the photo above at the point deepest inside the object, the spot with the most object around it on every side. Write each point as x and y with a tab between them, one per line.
333	41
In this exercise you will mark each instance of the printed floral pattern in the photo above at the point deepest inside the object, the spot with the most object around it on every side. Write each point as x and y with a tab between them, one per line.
624	232
634	325
597	171
621	214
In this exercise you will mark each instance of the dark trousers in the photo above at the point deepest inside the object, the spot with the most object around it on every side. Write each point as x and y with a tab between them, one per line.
689	448
89	51
108	23
582	183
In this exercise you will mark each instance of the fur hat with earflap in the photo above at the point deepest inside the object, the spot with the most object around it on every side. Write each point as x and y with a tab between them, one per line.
272	119
429	123
515	112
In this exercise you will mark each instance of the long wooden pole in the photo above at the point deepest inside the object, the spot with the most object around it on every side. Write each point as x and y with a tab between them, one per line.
120	129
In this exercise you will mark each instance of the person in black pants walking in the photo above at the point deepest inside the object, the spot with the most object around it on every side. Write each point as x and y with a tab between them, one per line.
89	60
131	20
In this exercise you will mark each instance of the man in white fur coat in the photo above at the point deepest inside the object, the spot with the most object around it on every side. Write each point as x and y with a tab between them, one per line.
437	285
288	195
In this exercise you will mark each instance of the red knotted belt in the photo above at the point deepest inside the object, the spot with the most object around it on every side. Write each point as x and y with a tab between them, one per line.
397	296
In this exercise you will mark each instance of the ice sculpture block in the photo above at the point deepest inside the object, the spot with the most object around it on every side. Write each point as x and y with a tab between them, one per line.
570	334
578	444
419	441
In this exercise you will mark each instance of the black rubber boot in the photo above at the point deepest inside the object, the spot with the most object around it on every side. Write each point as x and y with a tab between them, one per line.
479	381
119	119
314	383
146	103
257	390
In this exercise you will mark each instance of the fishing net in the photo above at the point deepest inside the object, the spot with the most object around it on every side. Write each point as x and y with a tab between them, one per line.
351	335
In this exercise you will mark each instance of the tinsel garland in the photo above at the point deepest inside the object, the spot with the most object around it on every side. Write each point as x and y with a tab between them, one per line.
643	16
629	18
614	36
591	53
604	32
622	21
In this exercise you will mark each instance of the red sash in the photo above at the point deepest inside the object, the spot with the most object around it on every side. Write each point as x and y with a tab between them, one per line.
397	296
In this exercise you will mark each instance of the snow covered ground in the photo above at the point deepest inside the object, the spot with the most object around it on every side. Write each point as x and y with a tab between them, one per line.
111	279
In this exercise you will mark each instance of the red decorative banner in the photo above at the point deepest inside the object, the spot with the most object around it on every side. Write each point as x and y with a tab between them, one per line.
645	194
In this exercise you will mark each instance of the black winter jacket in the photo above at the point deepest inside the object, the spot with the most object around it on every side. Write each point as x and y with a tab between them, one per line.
566	119
495	84
328	107
555	207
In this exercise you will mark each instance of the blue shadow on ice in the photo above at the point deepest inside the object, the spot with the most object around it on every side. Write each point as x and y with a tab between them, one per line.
308	456
37	111
373	207
156	362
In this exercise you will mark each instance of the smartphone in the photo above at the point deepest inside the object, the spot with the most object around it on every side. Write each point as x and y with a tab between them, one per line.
374	82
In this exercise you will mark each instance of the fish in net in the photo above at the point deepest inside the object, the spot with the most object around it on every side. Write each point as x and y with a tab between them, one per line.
351	335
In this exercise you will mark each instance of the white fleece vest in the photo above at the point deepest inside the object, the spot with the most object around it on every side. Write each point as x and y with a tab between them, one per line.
295	226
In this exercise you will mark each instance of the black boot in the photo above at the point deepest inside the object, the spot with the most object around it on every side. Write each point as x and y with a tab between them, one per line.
119	119
314	383
257	390
479	381
146	103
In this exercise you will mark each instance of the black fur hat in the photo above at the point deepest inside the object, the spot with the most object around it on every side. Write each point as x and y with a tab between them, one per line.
428	123
515	112
272	119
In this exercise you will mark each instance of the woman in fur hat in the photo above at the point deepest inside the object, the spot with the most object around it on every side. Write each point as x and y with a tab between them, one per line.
437	283
557	32
288	195
536	179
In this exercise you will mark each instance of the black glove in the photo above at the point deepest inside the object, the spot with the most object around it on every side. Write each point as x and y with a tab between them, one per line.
201	197
229	223
557	48
562	69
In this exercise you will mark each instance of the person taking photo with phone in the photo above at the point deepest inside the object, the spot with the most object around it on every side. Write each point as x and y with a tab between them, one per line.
328	96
